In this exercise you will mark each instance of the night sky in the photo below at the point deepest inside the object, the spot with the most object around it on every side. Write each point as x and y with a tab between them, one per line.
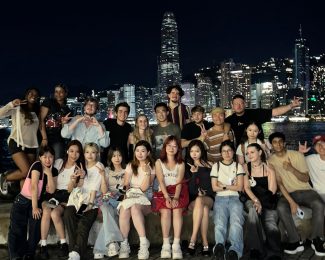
96	44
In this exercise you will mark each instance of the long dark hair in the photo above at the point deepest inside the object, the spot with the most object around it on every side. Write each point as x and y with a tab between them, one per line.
65	89
259	148
259	135
81	159
26	110
135	162
204	157
110	154
178	156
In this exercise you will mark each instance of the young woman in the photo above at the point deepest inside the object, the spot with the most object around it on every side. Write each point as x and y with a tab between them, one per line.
227	181
201	194
260	186
26	211
54	113
112	181
22	142
250	136
170	173
73	159
139	174
81	210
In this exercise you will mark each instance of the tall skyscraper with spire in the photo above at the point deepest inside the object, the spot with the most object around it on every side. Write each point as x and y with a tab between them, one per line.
168	62
301	78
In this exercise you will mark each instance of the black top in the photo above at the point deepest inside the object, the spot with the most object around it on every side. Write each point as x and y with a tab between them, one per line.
118	135
192	130
53	118
239	123
37	166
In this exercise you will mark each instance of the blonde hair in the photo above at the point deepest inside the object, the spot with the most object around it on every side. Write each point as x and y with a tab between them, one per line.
93	146
136	132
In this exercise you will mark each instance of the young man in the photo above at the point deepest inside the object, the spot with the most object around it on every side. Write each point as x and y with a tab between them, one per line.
197	128
119	130
293	181
86	128
179	113
163	129
242	117
219	132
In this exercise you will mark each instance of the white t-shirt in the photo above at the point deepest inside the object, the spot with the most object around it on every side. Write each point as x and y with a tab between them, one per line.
226	175
64	176
92	179
316	168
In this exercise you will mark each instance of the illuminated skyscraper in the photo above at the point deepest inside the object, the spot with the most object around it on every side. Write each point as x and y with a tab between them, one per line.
301	77
168	63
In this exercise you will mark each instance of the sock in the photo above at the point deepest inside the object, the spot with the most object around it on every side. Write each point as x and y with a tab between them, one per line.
143	240
176	241
63	241
43	242
166	241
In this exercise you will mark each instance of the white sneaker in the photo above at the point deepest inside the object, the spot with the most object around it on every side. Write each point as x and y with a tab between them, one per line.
124	250
113	249
166	251
143	252
74	256
98	256
177	251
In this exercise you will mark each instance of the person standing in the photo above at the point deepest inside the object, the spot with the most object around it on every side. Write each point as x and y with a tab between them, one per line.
86	128
54	113
179	113
242	116
22	142
119	130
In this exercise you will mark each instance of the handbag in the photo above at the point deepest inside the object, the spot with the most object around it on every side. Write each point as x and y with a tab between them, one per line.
159	201
26	191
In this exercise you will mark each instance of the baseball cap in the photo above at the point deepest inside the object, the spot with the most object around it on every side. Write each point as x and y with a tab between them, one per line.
218	110
318	138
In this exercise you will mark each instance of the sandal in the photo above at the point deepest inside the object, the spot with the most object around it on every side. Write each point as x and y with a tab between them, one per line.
206	251
191	248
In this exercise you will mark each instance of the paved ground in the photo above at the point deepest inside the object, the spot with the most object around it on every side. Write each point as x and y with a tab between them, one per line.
155	254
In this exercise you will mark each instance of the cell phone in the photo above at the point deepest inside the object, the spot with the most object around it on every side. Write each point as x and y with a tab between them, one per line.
300	213
81	209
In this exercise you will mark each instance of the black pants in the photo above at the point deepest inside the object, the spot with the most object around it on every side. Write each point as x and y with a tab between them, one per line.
78	228
20	218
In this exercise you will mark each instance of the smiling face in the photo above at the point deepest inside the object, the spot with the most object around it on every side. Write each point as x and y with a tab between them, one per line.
116	158
91	154
122	114
59	94
227	154
161	114
320	148
141	153
32	96
197	117
218	118
253	154
90	108
278	145
171	148
174	95
142	122
73	153
47	159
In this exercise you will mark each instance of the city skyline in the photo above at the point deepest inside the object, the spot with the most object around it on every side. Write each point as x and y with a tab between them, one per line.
97	45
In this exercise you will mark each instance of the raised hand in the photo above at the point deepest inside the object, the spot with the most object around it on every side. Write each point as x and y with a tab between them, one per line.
101	170
303	148
193	168
17	102
65	119
296	102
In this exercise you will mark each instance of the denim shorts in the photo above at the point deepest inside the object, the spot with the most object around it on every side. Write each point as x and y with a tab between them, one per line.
13	148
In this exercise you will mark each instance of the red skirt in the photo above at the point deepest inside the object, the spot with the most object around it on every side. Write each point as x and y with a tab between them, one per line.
159	201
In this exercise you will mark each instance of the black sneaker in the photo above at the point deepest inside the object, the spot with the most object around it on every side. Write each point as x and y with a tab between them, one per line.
231	255
219	252
318	246
63	250
3	184
294	248
44	254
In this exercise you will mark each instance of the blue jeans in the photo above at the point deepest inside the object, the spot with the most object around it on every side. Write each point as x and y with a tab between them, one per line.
20	218
228	209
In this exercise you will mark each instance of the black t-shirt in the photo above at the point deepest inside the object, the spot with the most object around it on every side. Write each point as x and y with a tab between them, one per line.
37	166
192	130
118	135
239	123
53	118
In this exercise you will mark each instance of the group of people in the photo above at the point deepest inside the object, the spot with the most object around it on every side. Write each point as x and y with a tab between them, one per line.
183	163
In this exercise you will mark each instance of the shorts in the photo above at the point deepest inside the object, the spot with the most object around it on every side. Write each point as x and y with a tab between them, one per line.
13	148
